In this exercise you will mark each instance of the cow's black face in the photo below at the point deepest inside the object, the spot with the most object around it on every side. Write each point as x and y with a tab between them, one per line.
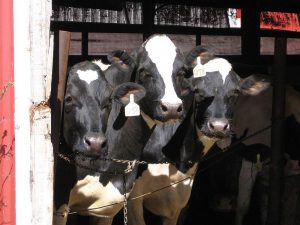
215	103
159	66
216	93
86	108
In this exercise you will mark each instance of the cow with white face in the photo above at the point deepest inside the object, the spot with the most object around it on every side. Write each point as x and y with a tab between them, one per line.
87	106
158	68
243	176
216	90
126	136
182	145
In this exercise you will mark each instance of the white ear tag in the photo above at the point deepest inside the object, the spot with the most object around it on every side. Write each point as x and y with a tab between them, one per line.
132	109
199	70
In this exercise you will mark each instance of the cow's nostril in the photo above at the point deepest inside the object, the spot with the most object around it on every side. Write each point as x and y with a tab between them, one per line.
164	108
211	125
226	126
104	143
87	141
179	109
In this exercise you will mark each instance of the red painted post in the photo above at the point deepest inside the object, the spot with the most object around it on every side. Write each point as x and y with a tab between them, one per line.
7	134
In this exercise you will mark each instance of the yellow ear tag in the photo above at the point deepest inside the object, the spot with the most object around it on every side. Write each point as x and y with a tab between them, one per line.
132	109
199	70
258	164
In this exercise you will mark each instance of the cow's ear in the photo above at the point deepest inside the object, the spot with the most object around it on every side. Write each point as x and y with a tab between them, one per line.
254	84
204	52
122	92
121	59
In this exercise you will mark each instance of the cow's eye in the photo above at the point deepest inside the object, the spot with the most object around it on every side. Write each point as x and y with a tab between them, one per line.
144	74
68	99
235	93
182	73
68	104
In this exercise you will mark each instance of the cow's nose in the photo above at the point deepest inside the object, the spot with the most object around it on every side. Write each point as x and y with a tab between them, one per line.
218	125
171	110
95	142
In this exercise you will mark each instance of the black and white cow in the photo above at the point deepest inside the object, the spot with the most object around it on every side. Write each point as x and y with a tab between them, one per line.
207	122
86	109
230	184
155	71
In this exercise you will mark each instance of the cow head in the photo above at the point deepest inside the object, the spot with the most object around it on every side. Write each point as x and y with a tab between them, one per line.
216	91
87	105
159	68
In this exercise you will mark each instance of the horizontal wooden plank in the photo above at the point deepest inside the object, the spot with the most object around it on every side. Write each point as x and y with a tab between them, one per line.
270	5
138	28
96	27
279	33
112	4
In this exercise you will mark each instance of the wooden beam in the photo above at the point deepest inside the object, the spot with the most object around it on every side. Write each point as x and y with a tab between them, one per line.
250	31
95	4
202	3
85	43
167	29
139	28
277	133
7	113
60	65
148	18
268	5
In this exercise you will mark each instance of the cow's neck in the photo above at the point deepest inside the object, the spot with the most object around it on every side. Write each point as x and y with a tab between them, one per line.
125	143
175	143
206	141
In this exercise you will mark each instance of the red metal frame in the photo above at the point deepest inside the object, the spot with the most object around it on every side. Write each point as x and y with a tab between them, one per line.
7	134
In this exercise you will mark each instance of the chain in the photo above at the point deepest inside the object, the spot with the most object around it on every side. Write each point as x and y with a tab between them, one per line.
125	201
130	163
72	161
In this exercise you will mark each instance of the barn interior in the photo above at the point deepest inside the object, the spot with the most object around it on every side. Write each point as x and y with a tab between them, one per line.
255	36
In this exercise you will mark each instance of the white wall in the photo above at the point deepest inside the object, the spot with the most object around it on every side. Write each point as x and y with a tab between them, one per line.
34	154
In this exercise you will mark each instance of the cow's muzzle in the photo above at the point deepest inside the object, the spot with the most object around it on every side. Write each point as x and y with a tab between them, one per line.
95	143
171	111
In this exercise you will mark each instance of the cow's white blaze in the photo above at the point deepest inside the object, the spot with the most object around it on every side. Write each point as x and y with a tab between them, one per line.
218	64
90	194
162	52
87	75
